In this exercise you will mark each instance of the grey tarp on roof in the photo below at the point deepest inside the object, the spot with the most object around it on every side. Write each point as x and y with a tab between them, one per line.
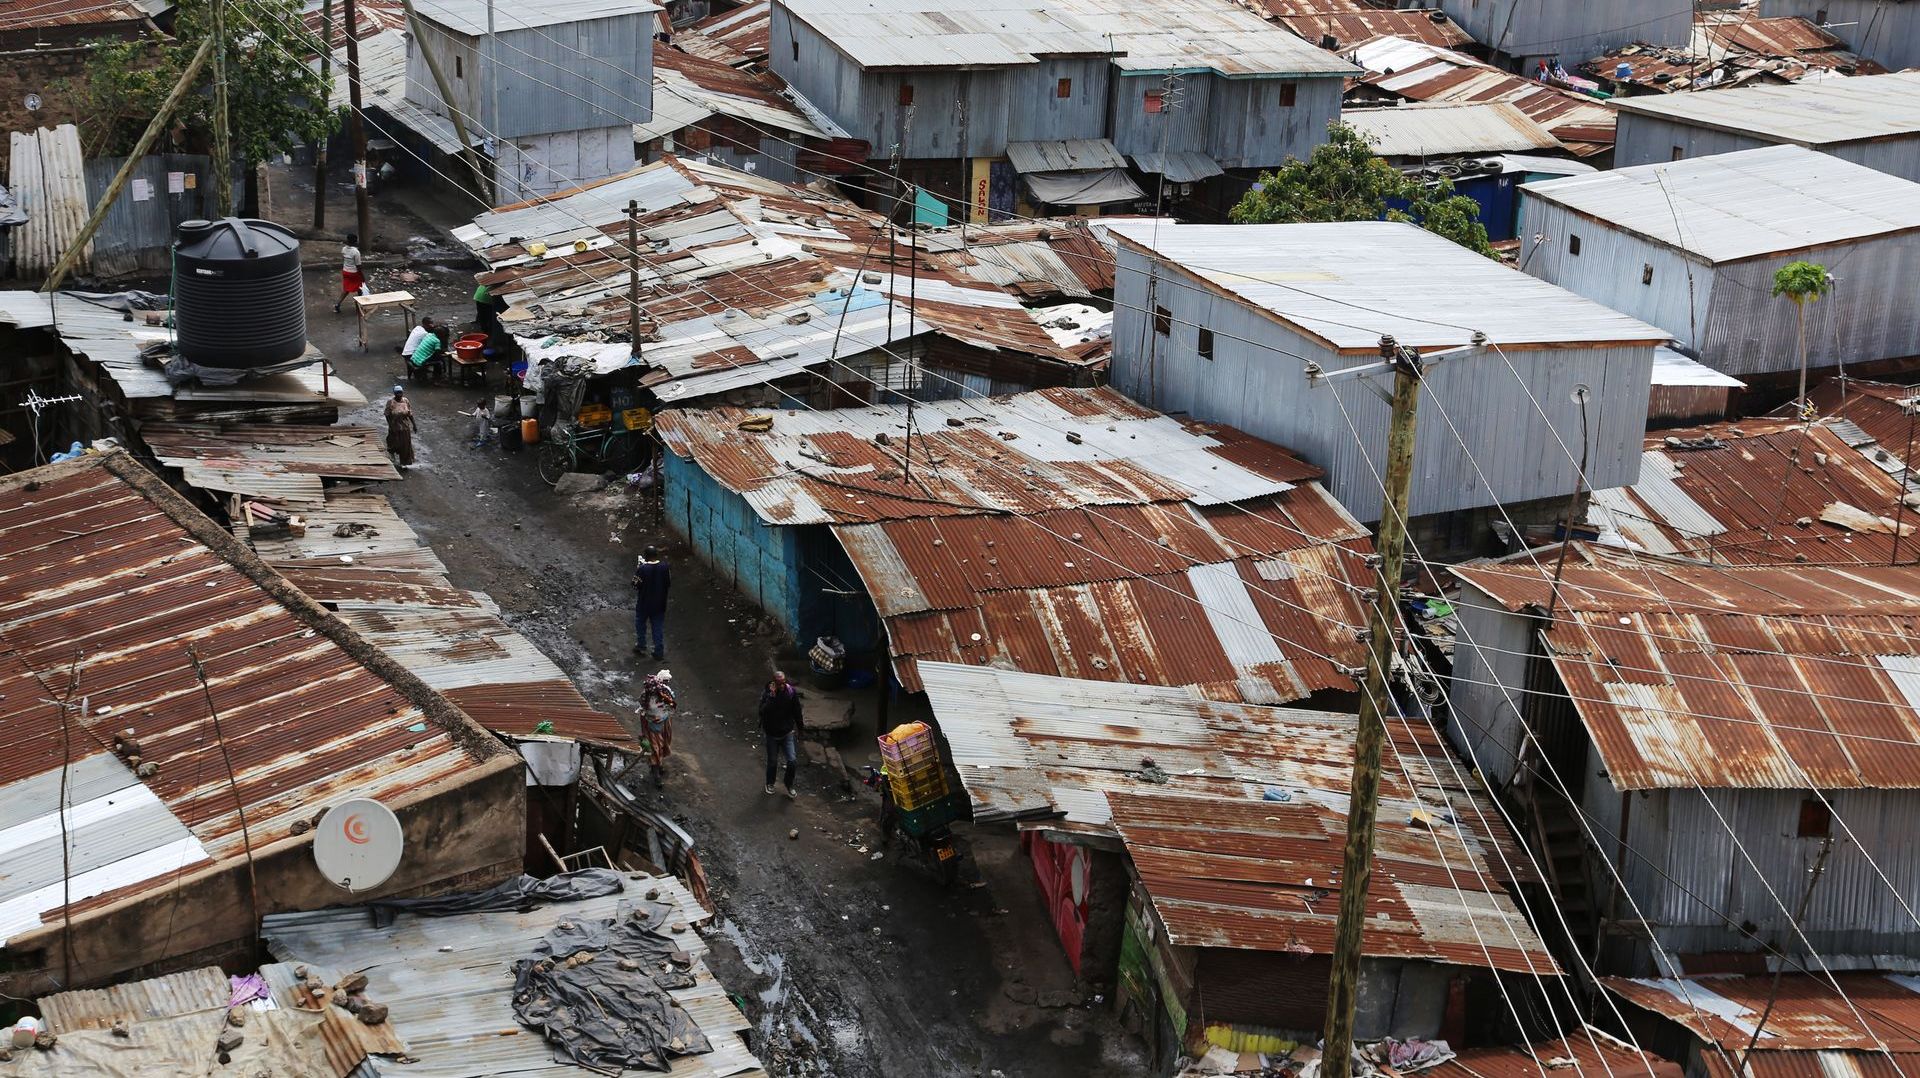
1180	166
1084	187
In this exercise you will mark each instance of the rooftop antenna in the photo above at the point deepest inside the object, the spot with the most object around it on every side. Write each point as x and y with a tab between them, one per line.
358	844
35	403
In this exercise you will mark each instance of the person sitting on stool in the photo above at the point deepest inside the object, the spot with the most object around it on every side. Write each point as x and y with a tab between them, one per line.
428	356
426	328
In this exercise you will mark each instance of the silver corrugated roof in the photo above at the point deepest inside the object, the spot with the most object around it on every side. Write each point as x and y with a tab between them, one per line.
1347	283
1813	113
470	16
1445	128
1064	155
1730	206
448	982
1180	166
1173	35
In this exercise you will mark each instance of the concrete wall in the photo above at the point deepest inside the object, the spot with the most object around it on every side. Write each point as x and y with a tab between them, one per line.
1262	388
466	835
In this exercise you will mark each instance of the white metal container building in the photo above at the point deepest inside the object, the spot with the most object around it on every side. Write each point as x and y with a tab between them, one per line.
1872	120
1223	321
557	87
1692	246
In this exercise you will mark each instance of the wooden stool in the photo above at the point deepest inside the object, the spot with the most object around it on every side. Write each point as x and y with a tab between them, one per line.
380	301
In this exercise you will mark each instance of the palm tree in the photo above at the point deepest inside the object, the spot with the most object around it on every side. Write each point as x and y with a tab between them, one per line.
1803	283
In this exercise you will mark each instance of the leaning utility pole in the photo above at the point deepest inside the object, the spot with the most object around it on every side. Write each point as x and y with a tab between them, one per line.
633	274
467	153
222	118
119	181
1363	802
357	128
320	147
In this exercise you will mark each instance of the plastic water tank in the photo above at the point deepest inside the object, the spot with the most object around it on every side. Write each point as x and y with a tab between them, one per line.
237	293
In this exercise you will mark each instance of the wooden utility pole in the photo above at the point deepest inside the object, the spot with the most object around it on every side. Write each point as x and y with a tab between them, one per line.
1364	798
357	129
320	148
222	118
633	275
467	152
120	178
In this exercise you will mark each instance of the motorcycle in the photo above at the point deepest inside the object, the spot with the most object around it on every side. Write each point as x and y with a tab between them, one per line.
924	831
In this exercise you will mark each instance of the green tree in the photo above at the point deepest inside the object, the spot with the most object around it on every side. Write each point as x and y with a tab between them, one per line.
275	100
1344	180
1803	283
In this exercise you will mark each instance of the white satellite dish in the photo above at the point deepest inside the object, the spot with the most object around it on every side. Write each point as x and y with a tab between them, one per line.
358	844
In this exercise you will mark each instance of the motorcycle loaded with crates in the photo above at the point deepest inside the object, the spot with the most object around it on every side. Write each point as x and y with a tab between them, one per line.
915	802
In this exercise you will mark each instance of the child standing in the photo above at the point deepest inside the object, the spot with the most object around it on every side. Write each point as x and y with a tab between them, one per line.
351	282
482	423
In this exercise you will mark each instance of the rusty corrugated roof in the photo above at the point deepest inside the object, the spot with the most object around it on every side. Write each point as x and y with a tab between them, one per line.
1239	838
1805	1015
282	462
33	14
107	577
1419	71
1886	413
1588	1054
1348	21
1735	678
1767	491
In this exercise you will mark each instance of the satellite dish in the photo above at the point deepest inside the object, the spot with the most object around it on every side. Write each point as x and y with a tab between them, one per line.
358	844
33	102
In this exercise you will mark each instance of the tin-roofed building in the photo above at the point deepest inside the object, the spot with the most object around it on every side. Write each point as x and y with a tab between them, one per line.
1527	31
191	809
552	91
1021	104
1066	532
1211	897
1222	322
1806	1022
1692	246
1884	30
1871	120
1703	732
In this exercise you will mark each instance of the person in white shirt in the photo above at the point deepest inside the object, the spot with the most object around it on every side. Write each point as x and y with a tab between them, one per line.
351	282
427	325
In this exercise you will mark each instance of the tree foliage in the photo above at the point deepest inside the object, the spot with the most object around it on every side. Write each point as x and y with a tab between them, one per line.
1344	180
1801	282
276	101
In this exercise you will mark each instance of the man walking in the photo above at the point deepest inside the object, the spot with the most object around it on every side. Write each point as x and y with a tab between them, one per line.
650	583
780	721
400	427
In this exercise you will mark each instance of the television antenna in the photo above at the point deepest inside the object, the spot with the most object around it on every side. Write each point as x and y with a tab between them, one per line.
37	404
358	844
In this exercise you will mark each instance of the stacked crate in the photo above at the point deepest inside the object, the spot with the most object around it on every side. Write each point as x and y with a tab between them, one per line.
914	775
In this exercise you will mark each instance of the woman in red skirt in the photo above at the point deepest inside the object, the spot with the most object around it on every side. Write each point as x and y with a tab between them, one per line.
350	279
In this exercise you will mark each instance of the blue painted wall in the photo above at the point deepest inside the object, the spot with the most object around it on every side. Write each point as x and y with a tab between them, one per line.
793	573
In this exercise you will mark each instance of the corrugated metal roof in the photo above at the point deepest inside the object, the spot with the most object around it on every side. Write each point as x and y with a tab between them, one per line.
1587	1054
1682	683
448	982
383	87
1806	1014
1444	128
1419	287
1174	35
32	14
1878	409
1180	166
744	280
1348	22
275	461
1026	453
48	177
1419	71
1823	113
1225	865
1747	204
689	87
744	29
1055	256
203	989
102	580
1062	155
1775	491
1670	368
469	17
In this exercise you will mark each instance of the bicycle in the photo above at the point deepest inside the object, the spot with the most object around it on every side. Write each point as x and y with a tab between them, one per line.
610	447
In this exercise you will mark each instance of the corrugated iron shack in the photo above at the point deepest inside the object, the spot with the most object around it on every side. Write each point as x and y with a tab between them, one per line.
1337	24
1587	1053
112	586
1730	48
1692	246
1886	32
1205	324
1524	32
552	91
708	103
1064	532
757	293
1403	69
1679	705
1854	1024
1871	120
1018	106
1191	850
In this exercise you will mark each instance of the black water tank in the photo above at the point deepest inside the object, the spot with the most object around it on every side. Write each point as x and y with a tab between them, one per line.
237	296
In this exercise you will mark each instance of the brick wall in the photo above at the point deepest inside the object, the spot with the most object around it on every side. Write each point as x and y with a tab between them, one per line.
43	72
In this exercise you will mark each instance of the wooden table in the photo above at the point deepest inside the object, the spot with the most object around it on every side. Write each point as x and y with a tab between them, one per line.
381	301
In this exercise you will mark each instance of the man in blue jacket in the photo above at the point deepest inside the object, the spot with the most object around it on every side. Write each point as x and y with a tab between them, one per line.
650	584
